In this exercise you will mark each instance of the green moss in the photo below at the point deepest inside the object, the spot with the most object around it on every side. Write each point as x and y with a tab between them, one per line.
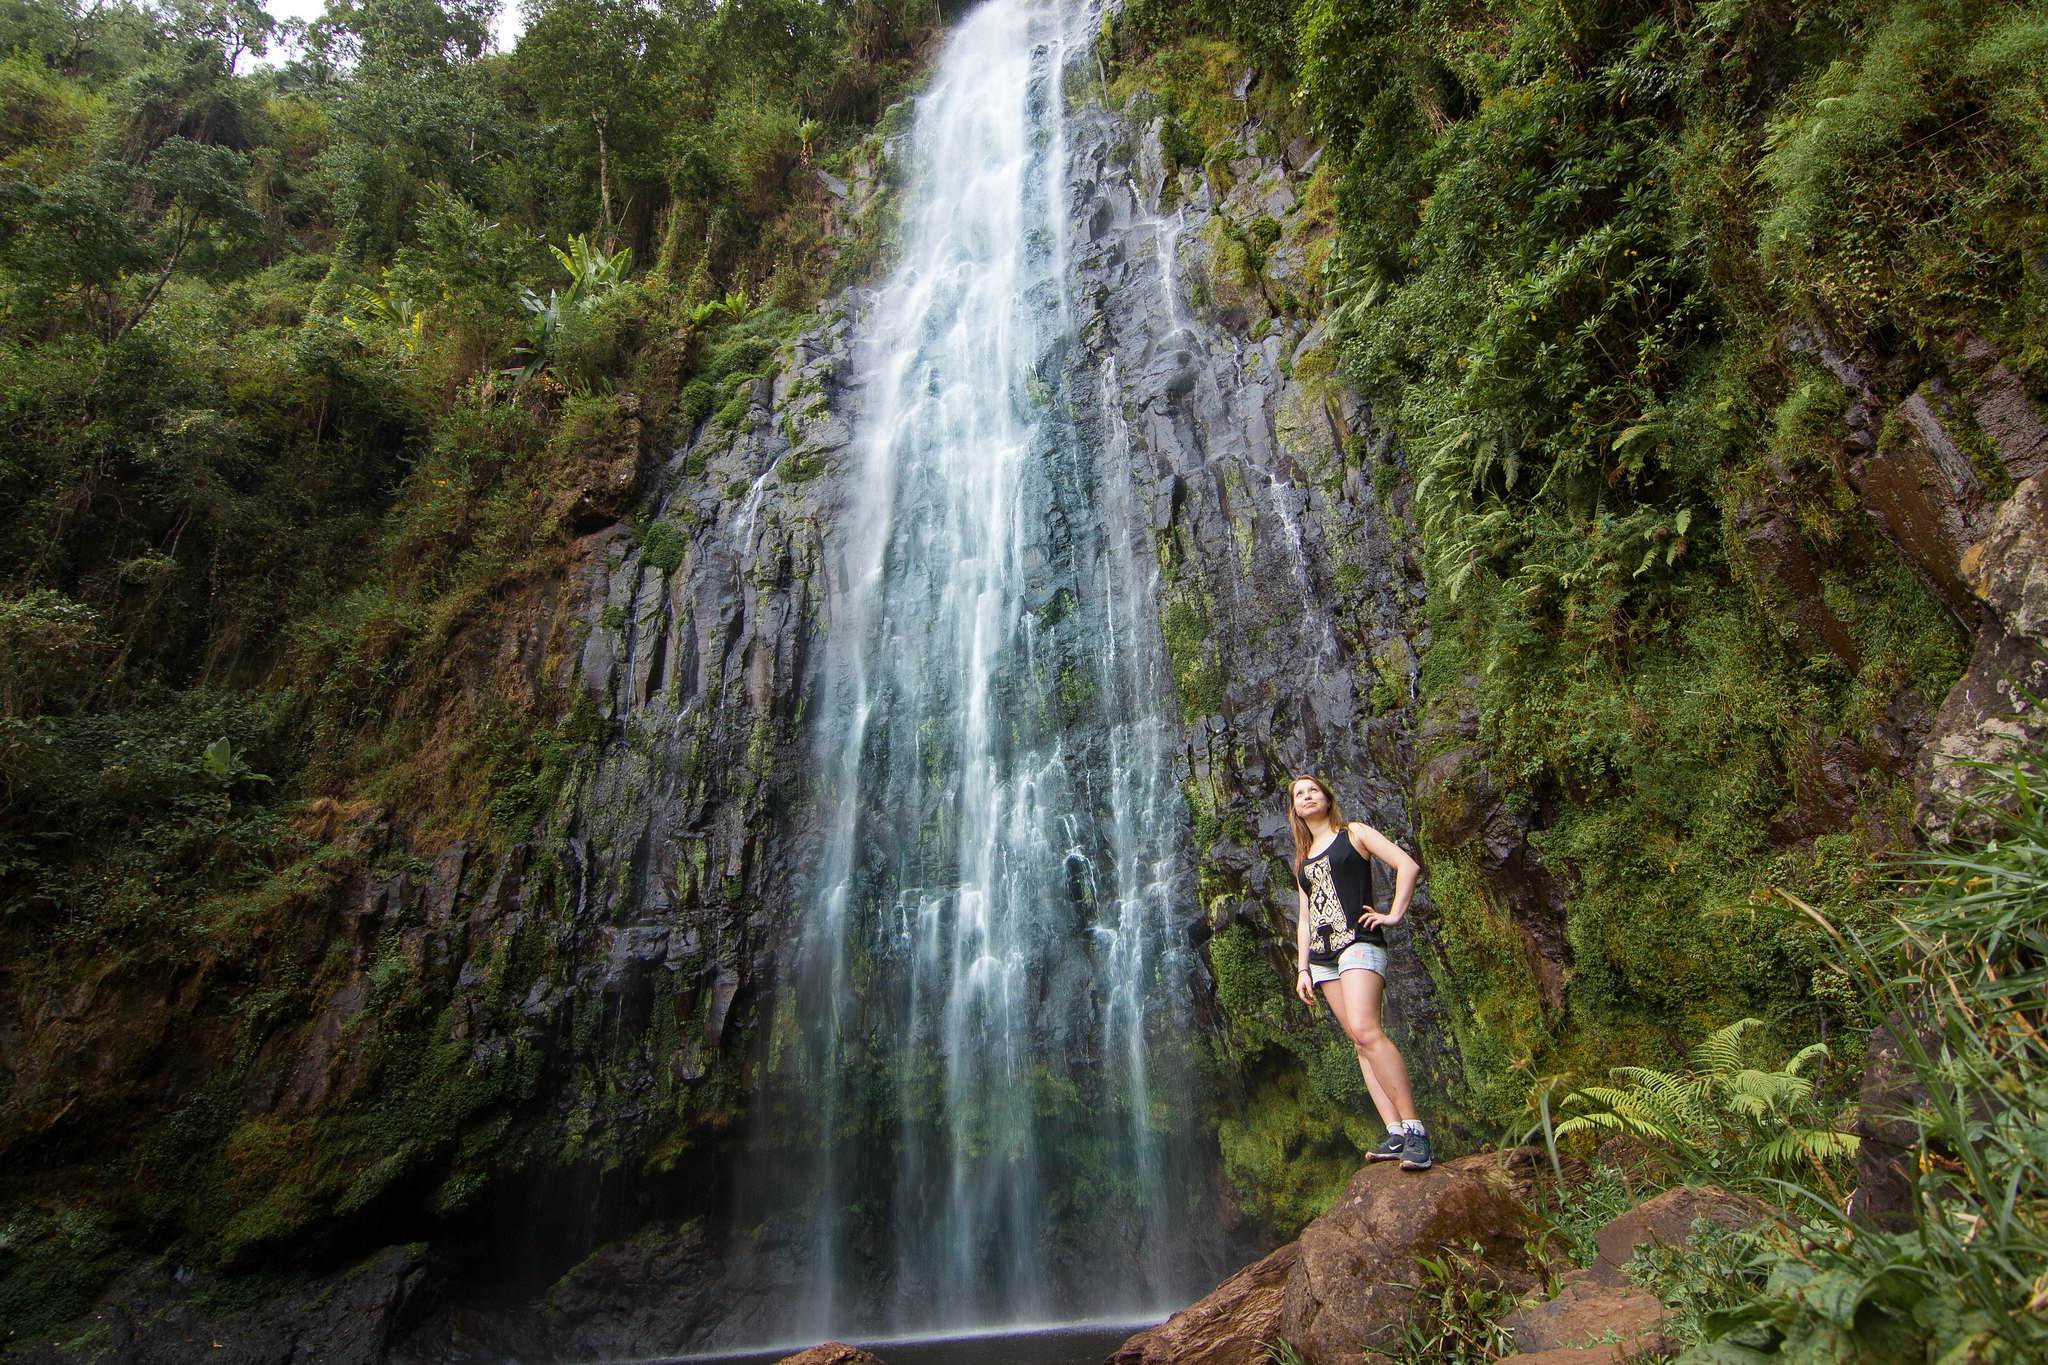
662	547
1289	1149
1386	476
52	1267
1386	694
1179	145
795	469
1200	682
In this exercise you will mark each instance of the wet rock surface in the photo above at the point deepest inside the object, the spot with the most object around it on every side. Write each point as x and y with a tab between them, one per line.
154	1318
1289	590
1354	1282
1229	1326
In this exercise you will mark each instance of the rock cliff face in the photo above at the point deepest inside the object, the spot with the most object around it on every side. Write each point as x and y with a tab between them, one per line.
1288	588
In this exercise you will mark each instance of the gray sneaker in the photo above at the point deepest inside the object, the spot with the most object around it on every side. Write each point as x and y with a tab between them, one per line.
1415	1153
1392	1148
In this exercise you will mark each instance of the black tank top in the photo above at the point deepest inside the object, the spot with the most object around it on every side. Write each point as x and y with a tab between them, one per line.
1338	883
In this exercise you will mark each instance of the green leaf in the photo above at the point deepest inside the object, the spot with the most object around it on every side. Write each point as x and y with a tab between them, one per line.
1835	1295
218	759
1725	1353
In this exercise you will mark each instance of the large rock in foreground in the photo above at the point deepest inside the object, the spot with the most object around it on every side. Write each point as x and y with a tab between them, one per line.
1354	1281
1229	1327
1597	1314
832	1353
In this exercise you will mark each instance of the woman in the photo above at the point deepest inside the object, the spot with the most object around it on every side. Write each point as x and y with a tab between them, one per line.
1341	945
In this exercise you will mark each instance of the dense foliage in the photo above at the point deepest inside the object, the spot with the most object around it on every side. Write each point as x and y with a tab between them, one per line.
296	358
308	370
1587	257
311	371
1954	1269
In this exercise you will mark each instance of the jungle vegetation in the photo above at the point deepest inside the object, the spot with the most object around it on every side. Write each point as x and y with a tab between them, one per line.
308	339
1588	258
296	355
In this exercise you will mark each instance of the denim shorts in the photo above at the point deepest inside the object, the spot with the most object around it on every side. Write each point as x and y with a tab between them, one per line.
1359	957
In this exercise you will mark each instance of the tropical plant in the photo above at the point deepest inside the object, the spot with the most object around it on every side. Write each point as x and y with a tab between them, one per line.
1727	1114
731	308
393	307
593	273
1460	1304
1966	961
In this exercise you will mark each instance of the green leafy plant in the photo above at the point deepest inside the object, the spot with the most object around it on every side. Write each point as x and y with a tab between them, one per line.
731	308
1458	1309
592	274
1963	973
220	762
1727	1114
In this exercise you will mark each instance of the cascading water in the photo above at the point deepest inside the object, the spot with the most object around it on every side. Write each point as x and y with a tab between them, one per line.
981	1099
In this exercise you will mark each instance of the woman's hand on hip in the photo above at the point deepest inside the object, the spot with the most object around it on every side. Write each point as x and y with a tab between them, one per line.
1373	919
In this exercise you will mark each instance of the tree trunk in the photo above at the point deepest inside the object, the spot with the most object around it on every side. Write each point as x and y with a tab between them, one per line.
604	183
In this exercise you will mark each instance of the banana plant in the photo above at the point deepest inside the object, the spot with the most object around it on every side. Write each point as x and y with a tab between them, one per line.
593	273
394	308
731	308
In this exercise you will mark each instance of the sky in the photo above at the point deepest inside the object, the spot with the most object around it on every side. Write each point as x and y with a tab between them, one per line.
507	26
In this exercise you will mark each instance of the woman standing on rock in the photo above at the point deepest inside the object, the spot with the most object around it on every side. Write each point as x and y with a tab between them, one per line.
1341	945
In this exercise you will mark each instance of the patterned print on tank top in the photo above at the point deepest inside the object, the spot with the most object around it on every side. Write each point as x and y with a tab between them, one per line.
1329	928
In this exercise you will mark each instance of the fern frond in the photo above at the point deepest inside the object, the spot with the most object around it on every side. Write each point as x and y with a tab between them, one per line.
1805	1055
1722	1051
1797	1147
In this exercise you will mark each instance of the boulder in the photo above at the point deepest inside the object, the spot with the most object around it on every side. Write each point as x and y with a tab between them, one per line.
1990	715
1587	1313
1597	1310
1354	1281
2008	569
1665	1221
832	1353
151	1319
1229	1327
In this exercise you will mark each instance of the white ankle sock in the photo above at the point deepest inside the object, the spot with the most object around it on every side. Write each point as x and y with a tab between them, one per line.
1397	1127
1414	1126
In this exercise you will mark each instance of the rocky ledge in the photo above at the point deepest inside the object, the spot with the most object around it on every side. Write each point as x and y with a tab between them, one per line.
1342	1293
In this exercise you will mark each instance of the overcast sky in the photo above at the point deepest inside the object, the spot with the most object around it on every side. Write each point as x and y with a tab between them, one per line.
506	26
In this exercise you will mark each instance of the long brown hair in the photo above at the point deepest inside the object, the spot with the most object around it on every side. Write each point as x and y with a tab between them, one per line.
1303	839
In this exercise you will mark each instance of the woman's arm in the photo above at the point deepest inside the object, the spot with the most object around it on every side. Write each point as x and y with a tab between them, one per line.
1370	841
1304	986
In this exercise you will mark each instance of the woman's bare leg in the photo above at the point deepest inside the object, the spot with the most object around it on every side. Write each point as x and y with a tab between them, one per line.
1333	991
1360	993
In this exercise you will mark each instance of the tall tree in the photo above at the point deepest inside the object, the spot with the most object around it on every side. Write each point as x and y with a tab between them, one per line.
592	59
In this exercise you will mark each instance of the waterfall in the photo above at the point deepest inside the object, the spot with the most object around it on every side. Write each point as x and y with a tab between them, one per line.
981	1102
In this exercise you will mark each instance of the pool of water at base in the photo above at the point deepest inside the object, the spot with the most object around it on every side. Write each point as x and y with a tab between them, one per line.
1069	1344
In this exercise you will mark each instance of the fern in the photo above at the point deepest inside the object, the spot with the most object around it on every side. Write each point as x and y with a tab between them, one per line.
1727	1114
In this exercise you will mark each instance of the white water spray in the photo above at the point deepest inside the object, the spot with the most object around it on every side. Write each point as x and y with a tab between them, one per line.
980	1079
